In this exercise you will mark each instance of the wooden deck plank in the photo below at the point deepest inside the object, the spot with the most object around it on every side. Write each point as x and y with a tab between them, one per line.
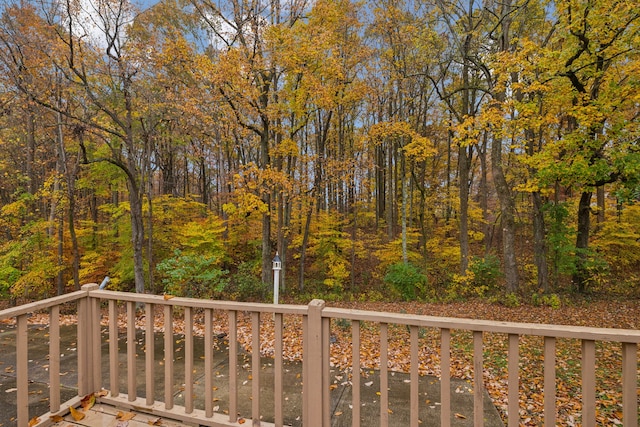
102	415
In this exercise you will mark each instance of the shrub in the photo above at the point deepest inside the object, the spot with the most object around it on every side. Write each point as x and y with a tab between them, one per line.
246	284
8	276
549	300
486	272
480	280
406	279
195	276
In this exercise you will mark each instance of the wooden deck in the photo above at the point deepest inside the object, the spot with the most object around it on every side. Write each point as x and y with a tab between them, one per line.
102	415
242	383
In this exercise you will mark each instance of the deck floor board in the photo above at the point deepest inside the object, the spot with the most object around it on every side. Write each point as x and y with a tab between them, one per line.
102	415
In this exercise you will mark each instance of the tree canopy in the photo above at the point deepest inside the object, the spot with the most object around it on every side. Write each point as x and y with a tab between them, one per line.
481	146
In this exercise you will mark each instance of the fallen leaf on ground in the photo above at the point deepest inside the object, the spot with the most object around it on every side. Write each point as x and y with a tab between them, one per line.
33	421
77	415
125	416
88	401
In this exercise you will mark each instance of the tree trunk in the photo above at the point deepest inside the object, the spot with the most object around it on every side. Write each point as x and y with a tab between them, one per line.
484	192
450	135
303	248
507	209
282	242
74	239
354	235
403	184
540	243
581	275
150	259
390	192
463	177
601	206
267	277
464	159
31	151
93	211
60	277
266	249
380	184
137	235
205	182
71	176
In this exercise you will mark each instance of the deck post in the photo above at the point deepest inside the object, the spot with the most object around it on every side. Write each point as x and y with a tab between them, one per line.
313	362
86	346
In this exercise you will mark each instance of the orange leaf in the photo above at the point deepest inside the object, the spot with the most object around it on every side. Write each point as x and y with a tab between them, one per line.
462	417
124	416
156	422
88	401
33	421
167	296
77	415
56	418
242	421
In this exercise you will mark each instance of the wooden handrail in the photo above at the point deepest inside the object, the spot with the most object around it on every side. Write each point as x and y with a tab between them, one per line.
317	320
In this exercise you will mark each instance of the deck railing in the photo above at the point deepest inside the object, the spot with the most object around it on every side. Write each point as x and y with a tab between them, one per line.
97	344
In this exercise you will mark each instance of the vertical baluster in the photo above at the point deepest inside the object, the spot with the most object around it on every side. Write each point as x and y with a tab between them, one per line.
188	360
22	370
82	346
168	356
588	383
384	375
233	366
54	359
114	363
415	378
355	376
445	377
149	354
255	367
208	364
96	344
549	381
513	366
630	384
278	370
478	380
131	351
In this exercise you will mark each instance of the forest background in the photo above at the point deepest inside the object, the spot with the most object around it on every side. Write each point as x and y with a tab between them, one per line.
427	149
